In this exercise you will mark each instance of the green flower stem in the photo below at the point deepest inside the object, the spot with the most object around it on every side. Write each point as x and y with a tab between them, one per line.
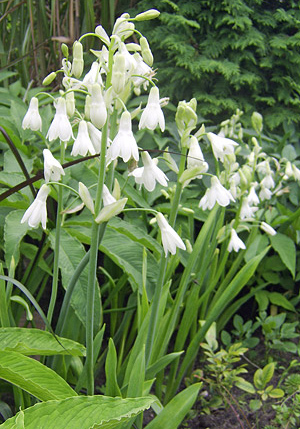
90	307
178	191
163	265
57	243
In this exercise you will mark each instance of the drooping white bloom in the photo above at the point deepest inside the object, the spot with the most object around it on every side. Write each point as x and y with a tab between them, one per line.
37	211
102	33
252	197
98	112
95	136
149	174
195	157
124	144
83	144
170	238
267	182
60	126
215	194
52	168
93	76
265	194
32	119
235	242
221	145
107	197
153	115
141	69
247	210
122	27
130	62
267	228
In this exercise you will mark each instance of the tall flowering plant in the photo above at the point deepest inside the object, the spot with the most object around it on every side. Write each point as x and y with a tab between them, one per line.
118	205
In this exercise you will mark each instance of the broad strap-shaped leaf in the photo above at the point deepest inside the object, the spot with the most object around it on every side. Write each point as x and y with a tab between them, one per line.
34	377
37	342
175	411
14	231
71	252
285	247
81	412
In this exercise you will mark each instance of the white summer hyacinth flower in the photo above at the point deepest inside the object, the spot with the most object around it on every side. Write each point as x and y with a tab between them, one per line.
247	210
149	174
215	194
124	144
37	211
235	242
221	145
83	144
170	238
153	115
32	119
52	168
60	126
98	112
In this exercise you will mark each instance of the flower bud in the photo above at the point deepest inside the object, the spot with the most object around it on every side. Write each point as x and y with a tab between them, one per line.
147	15
193	173
116	193
118	73
65	50
267	228
257	122
87	107
111	210
49	79
86	197
146	52
70	104
77	64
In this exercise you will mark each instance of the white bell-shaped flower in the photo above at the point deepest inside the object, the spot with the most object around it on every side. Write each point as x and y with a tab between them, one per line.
60	126
149	174
252	197
93	76
124	144
170	238
83	144
268	182
215	194
37	211
52	168
221	145
32	119
153	115
247	210
235	242
265	194
98	112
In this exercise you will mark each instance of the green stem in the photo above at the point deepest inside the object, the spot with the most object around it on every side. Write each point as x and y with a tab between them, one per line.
90	309
57	243
163	265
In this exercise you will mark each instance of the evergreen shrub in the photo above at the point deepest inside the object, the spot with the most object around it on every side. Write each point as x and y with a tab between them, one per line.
229	54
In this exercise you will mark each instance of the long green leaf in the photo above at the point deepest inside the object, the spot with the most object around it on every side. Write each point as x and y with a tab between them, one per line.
81	412
175	411
14	231
37	342
34	377
71	253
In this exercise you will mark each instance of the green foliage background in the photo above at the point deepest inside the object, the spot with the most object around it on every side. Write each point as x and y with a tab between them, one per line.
229	54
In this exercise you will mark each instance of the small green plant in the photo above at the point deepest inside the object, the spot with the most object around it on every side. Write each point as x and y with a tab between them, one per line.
243	332
278	334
